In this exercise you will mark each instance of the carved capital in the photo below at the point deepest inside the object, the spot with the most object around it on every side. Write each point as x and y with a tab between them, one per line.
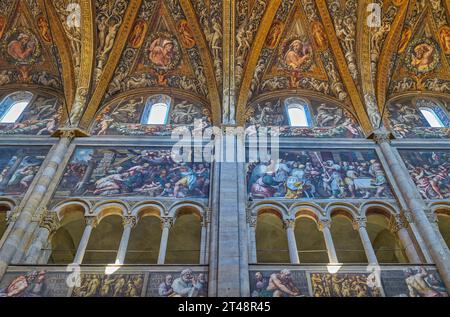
50	222
322	224
359	222
11	217
382	135
397	223
407	215
129	221
91	221
289	223
167	222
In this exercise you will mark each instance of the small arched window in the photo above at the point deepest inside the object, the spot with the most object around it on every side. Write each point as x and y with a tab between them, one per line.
156	110
13	106
433	114
298	112
432	118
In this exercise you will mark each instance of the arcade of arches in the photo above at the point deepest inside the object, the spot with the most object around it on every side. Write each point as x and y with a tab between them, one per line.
349	195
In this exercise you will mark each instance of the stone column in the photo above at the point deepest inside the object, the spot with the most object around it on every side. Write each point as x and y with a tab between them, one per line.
360	225
206	219
251	221
399	226
128	223
91	222
432	217
48	225
324	226
38	192
289	225
167	223
440	255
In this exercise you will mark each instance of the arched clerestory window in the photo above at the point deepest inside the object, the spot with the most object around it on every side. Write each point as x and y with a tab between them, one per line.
13	106
432	113
156	110
298	112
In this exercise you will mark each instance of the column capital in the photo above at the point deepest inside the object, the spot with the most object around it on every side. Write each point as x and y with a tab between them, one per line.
11	216
359	222
167	222
289	223
129	221
50	222
70	133
91	221
407	215
432	218
324	223
381	135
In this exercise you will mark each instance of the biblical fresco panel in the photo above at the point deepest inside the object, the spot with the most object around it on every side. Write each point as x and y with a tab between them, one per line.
146	172
124	117
178	284
327	120
42	116
18	167
310	174
38	283
407	120
413	282
113	285
430	171
95	282
350	281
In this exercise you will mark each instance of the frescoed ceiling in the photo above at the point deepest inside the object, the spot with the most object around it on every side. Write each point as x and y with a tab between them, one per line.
227	53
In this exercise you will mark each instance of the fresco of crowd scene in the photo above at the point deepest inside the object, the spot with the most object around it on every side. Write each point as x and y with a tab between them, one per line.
133	172
430	172
313	174
18	167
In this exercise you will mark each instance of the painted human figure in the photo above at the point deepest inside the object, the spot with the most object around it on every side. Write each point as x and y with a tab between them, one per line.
422	56
444	36
297	54
137	36
418	287
165	288
186	34
282	285
186	285
22	48
161	52
44	29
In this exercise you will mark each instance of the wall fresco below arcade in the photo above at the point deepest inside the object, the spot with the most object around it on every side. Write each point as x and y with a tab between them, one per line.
348	282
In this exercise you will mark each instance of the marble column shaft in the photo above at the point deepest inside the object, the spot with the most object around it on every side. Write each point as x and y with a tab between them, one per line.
128	224
441	256
331	250
292	244
167	224
25	217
